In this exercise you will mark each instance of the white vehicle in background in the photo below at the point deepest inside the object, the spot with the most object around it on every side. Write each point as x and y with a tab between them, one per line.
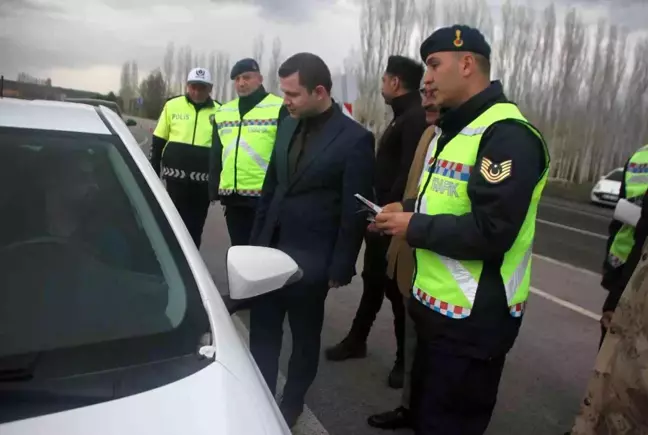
608	188
110	322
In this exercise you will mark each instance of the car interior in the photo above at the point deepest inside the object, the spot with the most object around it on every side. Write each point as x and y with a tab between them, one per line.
76	266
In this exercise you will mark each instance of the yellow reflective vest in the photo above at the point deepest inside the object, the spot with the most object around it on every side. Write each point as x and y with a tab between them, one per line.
247	145
450	286
187	129
636	184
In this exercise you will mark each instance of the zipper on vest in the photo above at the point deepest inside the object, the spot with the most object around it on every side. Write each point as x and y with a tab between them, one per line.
193	138
238	138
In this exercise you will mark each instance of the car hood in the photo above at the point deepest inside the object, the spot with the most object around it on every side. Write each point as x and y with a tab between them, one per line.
607	186
211	401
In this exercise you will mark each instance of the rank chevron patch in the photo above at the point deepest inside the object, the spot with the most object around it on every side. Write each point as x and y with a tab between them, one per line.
495	172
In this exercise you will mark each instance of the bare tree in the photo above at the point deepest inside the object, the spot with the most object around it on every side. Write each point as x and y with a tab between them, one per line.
577	83
167	67
272	79
426	18
385	29
181	74
126	87
258	49
212	71
188	62
134	72
153	90
221	77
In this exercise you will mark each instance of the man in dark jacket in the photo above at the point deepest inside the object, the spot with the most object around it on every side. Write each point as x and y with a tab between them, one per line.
396	149
307	209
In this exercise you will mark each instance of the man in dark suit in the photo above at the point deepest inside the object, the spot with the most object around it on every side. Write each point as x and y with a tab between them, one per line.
307	209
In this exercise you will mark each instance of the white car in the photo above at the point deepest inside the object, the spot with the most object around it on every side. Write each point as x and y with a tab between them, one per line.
608	188
110	322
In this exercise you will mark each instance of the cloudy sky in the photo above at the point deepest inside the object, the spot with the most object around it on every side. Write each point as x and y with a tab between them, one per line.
82	43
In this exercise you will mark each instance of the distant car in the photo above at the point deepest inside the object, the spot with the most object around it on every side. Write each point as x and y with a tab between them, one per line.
608	188
110	322
109	104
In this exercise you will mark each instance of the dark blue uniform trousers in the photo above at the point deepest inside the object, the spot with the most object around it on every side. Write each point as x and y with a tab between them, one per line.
240	220
452	394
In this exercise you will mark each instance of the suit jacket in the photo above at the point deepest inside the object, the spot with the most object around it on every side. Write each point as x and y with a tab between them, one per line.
313	215
400	259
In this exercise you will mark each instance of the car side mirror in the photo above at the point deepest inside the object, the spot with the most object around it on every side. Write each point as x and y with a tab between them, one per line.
131	122
256	270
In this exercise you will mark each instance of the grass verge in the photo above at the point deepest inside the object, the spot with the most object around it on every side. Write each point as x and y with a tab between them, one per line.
569	191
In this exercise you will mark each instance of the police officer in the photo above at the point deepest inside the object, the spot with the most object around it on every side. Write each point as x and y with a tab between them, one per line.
472	227
181	143
244	135
622	237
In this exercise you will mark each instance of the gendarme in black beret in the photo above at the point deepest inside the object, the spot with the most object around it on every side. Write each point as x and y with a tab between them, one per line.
456	38
243	66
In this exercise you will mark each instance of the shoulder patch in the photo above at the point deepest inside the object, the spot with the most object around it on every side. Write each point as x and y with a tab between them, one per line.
495	173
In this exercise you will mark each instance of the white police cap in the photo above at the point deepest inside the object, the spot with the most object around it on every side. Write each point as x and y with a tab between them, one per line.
200	75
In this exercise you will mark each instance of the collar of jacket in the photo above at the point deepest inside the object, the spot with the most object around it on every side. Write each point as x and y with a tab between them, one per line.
402	103
207	103
315	122
248	102
454	120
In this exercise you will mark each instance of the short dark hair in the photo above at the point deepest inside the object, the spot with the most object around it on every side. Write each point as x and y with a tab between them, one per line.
312	70
408	71
483	63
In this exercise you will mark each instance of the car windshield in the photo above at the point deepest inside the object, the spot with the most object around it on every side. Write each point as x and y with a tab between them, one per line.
92	278
615	176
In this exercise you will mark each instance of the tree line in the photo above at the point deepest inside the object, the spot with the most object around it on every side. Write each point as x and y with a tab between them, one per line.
584	86
170	78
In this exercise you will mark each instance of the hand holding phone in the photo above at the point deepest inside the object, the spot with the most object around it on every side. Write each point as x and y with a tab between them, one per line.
369	207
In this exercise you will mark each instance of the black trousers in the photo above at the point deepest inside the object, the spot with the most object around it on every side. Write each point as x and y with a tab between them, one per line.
240	220
376	285
304	306
192	201
451	394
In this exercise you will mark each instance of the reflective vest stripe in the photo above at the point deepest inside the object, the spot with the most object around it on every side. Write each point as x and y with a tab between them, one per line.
468	284
449	310
240	192
514	283
246	122
228	150
254	155
258	159
454	170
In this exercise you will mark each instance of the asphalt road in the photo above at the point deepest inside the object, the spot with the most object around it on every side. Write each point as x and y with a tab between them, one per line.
546	373
572	232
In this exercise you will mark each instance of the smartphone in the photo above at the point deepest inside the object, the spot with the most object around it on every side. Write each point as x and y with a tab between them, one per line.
368	206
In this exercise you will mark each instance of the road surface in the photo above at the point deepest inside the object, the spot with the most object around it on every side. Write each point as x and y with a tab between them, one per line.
546	373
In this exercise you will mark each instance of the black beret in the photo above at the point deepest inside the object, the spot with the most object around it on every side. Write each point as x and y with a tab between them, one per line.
456	38
243	66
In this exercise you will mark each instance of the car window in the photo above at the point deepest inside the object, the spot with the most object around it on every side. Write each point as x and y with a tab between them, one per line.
615	176
88	263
